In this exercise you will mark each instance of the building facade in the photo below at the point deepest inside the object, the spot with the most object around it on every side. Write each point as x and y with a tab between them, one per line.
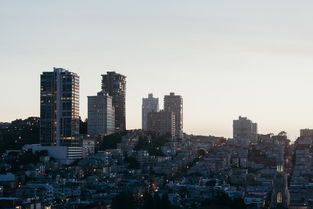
149	104
59	108
280	194
244	129
101	115
174	103
306	132
161	123
115	85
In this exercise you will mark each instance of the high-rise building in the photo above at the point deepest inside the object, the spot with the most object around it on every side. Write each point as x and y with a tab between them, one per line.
244	129
174	103
149	104
115	85
59	108
101	114
306	132
162	123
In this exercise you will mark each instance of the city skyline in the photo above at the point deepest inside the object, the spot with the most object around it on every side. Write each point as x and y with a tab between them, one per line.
222	63
161	103
168	104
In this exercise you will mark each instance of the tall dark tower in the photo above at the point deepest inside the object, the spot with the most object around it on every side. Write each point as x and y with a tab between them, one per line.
59	108
115	85
174	103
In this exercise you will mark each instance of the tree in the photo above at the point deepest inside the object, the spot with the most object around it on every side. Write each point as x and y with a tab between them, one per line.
124	200
83	126
18	133
153	145
155	202
223	202
132	163
111	141
148	201
166	204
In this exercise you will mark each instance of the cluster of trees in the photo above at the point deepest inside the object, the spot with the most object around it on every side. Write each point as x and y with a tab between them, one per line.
152	144
223	202
111	141
83	126
157	202
15	135
126	200
132	162
18	159
18	133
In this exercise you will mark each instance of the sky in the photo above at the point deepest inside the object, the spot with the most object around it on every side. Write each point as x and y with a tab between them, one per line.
226	58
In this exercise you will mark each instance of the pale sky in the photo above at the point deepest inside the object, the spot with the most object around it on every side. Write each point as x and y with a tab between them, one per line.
226	58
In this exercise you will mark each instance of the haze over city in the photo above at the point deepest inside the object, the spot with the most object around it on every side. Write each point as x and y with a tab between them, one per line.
226	58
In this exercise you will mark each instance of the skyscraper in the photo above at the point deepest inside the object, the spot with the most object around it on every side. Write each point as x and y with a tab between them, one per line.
149	104
115	85
59	108
101	114
244	129
174	103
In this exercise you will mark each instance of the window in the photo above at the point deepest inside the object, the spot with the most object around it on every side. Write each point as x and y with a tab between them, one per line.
280	168
279	197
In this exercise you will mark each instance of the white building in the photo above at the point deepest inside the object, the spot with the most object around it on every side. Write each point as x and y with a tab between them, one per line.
101	114
62	154
244	129
149	104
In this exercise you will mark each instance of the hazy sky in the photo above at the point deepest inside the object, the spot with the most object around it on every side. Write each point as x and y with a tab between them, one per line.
226	58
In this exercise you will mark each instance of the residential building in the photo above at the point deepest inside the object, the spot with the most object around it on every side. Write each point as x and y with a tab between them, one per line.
101	114
149	104
280	195
62	154
244	129
115	85
174	103
162	123
59	108
306	132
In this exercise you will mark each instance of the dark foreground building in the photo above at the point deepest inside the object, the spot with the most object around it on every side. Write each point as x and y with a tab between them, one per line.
115	85
161	123
59	108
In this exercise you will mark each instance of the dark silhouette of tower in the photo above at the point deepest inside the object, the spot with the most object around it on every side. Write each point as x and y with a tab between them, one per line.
115	85
174	103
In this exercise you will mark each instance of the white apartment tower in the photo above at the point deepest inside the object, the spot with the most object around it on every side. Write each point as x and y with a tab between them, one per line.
101	114
244	129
